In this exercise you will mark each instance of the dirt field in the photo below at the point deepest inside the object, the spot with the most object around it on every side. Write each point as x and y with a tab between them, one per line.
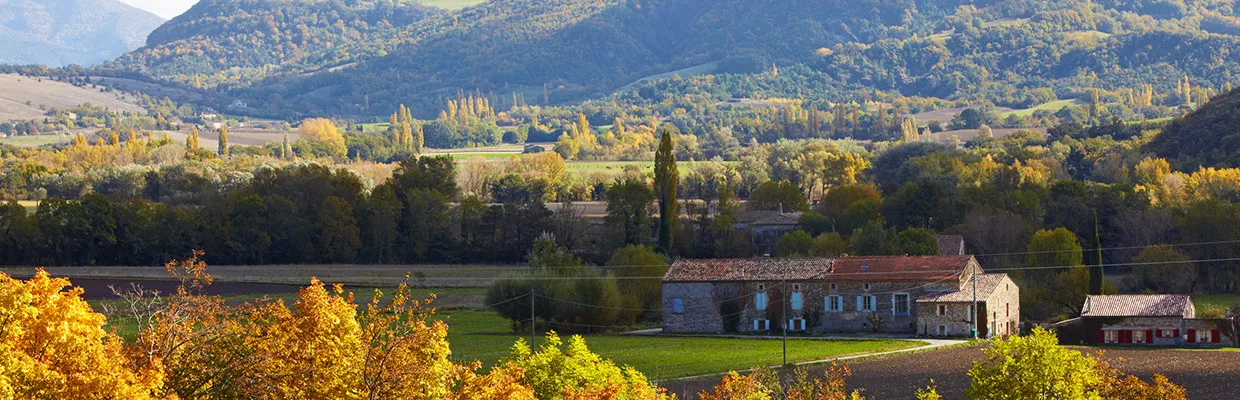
1207	375
16	91
437	276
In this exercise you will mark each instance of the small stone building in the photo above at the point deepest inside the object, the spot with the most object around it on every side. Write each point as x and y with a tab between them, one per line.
921	295
1146	319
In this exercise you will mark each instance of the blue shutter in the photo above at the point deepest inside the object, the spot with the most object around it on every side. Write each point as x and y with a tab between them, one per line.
796	301
860	304
678	305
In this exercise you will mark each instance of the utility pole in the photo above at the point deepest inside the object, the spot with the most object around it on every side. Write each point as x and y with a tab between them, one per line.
975	309
783	312
533	321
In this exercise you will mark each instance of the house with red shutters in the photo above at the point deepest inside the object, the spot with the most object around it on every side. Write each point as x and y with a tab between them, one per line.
1150	320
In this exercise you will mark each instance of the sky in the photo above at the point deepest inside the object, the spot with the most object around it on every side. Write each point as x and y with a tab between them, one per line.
163	8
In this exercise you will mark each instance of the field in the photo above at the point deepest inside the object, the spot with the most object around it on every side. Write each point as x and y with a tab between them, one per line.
33	141
1215	305
452	4
1052	106
1206	374
27	98
30	205
703	69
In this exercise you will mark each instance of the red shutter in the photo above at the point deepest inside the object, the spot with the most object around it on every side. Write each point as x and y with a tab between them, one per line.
1216	336
1149	336
1192	336
1176	333
1102	336
1125	337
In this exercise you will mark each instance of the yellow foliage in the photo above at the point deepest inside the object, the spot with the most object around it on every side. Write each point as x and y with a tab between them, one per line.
53	346
322	130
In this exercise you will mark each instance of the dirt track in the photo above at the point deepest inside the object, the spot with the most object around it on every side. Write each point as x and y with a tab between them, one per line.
1207	375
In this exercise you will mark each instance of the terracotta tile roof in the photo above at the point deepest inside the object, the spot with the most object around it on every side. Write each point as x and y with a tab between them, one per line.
950	245
793	218
1137	305
905	268
986	285
747	269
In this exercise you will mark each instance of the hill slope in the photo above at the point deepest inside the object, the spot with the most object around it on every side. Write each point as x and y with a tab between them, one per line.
1207	137
63	32
1012	52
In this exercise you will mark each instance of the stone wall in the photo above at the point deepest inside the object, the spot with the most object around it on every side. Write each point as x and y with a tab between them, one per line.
700	310
1003	306
956	320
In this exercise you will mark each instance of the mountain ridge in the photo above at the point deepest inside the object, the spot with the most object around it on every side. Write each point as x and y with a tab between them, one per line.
64	32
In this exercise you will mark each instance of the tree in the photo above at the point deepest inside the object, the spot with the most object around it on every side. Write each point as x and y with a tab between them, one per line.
563	371
223	142
1033	367
828	245
635	263
286	149
985	132
872	239
1164	270
322	131
52	345
782	195
338	235
628	204
795	244
1058	282
918	242
666	178
191	143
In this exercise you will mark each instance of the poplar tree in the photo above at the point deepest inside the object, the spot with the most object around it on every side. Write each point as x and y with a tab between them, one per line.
223	149
1095	109
666	178
284	148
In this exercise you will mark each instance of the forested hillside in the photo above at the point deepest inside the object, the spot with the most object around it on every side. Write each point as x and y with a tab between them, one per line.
1207	137
236	43
64	32
1014	53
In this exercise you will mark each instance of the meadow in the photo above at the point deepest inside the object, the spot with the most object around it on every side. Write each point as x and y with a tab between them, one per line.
33	141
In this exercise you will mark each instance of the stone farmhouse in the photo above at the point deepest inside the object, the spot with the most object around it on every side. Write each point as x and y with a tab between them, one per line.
1143	319
919	295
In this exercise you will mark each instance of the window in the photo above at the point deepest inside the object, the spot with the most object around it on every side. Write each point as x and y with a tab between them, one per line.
942	309
796	324
866	303
761	325
899	304
1167	333
942	330
759	301
1203	336
834	303
678	305
761	287
1007	312
1111	337
865	266
865	286
796	287
796	301
1138	336
834	287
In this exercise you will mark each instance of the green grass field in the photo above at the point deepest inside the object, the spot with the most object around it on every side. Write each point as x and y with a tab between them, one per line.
33	141
1048	106
703	69
30	205
484	336
486	155
1215	305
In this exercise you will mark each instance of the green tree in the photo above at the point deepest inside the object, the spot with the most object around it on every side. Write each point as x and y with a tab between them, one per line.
570	370
782	195
828	245
1058	283
1033	367
872	239
918	242
630	265
338	235
1167	270
223	149
628	210
794	244
666	178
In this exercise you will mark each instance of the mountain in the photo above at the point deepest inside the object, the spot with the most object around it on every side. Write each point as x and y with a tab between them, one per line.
1209	136
64	32
360	62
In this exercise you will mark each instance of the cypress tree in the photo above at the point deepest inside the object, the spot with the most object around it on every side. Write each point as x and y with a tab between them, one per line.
223	149
666	179
284	148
